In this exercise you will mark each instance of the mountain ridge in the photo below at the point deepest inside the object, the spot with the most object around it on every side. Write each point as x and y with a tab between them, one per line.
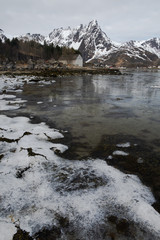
95	46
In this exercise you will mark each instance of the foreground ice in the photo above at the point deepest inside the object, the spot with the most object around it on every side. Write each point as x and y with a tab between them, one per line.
14	84
36	185
11	84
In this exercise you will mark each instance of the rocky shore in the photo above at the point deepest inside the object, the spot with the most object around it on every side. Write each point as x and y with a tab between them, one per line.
55	72
51	68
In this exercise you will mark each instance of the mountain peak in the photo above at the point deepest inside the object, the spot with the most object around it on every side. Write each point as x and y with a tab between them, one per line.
93	23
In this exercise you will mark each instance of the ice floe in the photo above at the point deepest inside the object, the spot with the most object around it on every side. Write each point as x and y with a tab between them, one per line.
7	96
10	104
124	145
122	153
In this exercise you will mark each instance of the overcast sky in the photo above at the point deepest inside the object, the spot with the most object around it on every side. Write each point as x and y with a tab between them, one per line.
121	20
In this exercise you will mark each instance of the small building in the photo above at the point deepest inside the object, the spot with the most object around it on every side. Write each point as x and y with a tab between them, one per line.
72	59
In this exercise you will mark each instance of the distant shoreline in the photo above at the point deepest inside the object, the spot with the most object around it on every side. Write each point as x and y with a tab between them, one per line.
63	72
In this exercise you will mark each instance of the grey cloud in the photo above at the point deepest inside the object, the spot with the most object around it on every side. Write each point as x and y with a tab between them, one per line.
121	20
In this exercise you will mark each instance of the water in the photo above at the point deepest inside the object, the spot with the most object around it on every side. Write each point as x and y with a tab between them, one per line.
91	106
105	120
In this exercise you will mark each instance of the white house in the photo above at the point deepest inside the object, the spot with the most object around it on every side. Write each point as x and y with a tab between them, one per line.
72	59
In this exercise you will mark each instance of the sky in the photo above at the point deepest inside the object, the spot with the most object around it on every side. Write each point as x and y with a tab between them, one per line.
121	20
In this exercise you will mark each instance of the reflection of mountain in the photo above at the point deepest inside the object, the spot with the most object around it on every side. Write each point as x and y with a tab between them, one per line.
95	46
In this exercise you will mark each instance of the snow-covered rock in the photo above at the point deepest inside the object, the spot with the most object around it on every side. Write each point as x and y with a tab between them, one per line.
35	37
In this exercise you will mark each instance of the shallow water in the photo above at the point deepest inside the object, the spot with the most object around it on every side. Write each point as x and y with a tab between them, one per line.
92	106
115	118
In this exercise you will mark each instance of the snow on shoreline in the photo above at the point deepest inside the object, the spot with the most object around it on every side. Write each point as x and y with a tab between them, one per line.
47	184
36	184
14	84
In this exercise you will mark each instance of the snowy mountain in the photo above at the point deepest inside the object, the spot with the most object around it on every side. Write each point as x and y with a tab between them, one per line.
152	45
133	53
35	37
96	46
90	40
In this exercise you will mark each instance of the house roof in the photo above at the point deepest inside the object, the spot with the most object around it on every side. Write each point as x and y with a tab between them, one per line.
69	57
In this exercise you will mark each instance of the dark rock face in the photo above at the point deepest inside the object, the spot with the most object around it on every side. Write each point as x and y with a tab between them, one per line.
45	234
21	235
94	39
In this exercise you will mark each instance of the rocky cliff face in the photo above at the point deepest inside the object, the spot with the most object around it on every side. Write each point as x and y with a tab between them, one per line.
96	46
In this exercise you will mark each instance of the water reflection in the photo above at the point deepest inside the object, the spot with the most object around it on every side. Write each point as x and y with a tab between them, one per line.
91	106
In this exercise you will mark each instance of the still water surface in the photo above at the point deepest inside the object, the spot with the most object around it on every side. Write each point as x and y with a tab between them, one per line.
89	107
